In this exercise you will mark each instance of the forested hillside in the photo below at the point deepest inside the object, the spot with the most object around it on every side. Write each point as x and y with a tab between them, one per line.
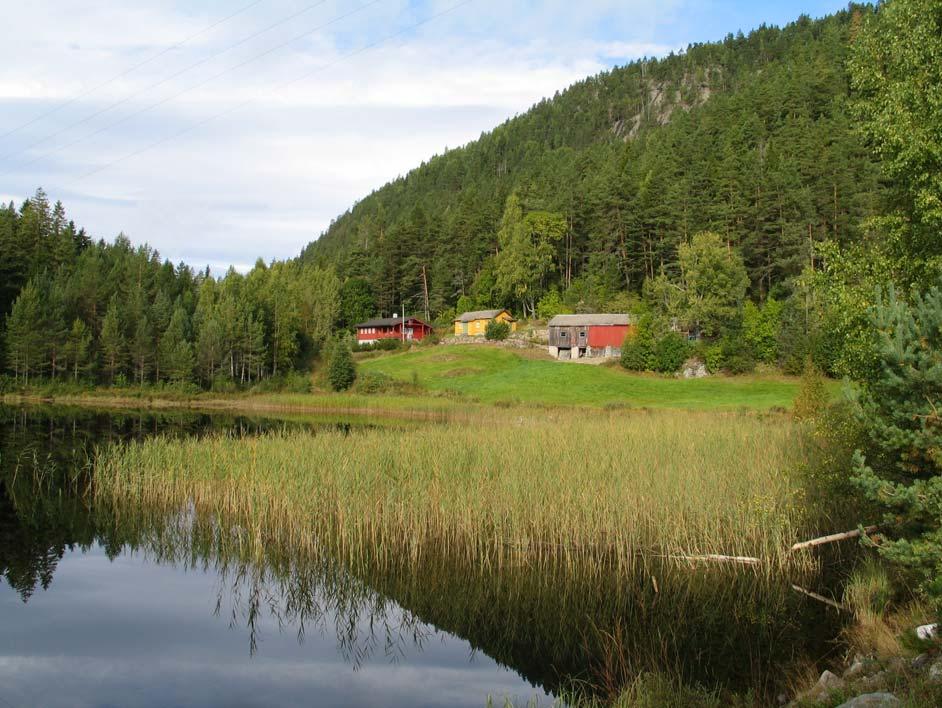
750	137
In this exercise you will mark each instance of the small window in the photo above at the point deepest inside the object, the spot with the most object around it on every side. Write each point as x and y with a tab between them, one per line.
564	334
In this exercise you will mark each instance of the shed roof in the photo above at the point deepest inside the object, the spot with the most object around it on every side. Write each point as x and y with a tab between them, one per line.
589	320
389	322
479	315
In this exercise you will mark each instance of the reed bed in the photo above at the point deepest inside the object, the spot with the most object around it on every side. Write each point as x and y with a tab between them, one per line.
560	487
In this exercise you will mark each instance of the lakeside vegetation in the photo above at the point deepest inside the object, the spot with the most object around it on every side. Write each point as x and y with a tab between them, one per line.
580	484
621	502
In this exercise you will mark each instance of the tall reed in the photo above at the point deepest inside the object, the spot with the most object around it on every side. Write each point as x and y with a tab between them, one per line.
560	486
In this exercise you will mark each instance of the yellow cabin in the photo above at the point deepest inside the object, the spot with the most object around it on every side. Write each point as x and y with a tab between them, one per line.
474	323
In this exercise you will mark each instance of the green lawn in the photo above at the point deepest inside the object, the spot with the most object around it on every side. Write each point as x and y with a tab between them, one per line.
493	375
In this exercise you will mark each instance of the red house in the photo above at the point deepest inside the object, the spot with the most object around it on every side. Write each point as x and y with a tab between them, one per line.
407	329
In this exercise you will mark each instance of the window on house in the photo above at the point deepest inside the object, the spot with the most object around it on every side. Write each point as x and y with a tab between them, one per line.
564	334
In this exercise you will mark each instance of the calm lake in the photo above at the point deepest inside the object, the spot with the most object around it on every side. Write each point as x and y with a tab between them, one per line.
91	620
133	608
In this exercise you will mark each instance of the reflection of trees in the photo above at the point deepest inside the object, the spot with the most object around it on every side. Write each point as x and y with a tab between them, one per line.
555	625
559	627
296	594
41	512
44	455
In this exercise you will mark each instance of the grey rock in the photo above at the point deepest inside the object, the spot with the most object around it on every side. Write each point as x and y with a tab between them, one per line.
827	683
694	369
872	700
935	671
927	632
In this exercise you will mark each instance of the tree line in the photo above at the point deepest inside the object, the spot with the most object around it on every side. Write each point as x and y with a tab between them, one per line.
98	312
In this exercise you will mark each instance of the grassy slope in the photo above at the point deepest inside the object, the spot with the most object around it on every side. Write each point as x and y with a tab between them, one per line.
491	375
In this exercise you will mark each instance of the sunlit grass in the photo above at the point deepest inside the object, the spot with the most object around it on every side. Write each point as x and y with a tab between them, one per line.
561	485
494	375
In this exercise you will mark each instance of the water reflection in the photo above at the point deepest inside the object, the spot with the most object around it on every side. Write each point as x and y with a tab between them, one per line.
204	591
148	609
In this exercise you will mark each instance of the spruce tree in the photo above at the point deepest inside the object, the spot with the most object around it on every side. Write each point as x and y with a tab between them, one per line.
900	410
341	371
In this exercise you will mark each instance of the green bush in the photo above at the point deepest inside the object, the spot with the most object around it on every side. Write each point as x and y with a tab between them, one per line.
389	345
291	382
223	384
812	398
760	329
374	382
901	468
381	345
670	353
341	371
551	305
637	352
636	355
714	359
737	355
431	340
497	330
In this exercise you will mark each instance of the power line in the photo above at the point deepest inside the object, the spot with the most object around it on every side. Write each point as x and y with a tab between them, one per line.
208	80
179	73
295	80
124	73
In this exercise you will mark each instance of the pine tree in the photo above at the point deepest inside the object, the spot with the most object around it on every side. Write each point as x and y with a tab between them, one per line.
161	312
111	341
25	338
175	352
76	354
210	347
142	349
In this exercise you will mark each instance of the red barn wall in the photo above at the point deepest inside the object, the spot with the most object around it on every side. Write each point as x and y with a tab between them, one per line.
607	335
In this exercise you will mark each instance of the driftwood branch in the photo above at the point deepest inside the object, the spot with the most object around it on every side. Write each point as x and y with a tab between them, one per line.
717	558
833	538
821	598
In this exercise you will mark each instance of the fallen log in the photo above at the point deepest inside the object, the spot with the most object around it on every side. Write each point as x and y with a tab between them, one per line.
717	558
821	598
833	538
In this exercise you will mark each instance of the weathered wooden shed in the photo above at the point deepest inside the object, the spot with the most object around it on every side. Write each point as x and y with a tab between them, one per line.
577	336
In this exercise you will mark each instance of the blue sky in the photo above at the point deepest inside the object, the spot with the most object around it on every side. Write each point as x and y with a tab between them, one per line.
224	147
